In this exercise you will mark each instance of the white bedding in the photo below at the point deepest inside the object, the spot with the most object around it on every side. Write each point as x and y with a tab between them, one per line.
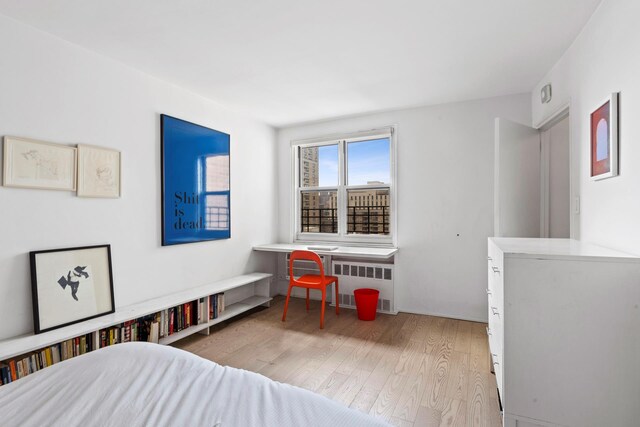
142	384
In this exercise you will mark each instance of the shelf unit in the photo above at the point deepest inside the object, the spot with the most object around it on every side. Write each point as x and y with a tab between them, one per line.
229	312
242	293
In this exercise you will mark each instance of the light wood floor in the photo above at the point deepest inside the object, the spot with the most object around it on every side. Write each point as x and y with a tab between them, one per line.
408	369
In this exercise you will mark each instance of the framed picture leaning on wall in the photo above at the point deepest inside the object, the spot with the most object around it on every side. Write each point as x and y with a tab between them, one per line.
70	285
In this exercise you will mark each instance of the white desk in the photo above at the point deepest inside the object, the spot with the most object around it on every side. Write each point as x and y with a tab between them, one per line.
346	251
364	263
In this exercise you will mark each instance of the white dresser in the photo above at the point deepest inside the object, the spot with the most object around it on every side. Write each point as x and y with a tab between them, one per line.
564	332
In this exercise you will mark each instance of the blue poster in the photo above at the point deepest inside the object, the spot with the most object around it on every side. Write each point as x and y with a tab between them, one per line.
195	183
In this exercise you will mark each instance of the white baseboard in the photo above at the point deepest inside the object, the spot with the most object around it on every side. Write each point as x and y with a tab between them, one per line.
445	315
300	293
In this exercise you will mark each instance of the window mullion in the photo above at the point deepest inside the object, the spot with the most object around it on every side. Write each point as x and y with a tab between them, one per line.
342	194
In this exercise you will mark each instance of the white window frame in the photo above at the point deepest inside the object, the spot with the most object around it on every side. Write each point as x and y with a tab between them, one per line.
342	237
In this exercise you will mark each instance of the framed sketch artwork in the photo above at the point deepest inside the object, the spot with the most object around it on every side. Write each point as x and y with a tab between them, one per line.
70	285
98	172
604	139
36	164
195	183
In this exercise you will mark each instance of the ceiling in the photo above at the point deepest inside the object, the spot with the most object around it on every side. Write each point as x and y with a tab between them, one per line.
292	61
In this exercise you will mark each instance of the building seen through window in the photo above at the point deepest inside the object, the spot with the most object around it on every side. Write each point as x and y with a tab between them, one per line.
365	186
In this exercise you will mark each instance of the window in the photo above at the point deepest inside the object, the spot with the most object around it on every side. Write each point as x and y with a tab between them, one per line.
344	188
216	193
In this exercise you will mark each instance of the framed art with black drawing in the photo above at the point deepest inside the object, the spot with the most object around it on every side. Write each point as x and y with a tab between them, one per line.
70	285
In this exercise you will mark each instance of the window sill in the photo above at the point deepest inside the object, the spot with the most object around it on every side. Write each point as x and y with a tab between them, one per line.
367	252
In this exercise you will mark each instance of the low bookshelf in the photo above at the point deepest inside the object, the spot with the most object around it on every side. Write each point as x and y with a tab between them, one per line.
194	311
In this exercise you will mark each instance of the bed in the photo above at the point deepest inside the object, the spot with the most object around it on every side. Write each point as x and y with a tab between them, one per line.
143	384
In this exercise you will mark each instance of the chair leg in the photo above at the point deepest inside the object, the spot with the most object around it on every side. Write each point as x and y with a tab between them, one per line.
337	299
307	299
286	304
324	297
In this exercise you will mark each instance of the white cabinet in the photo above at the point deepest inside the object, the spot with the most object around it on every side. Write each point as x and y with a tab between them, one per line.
564	325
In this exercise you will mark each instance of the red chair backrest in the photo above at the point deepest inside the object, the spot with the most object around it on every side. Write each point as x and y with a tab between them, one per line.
308	256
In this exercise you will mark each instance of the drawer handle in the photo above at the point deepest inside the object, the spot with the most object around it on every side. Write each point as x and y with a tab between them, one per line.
495	269
495	311
488	291
488	331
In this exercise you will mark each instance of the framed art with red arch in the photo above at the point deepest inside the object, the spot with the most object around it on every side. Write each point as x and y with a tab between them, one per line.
604	139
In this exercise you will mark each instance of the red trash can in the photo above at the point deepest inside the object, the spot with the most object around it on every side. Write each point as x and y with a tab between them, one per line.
366	303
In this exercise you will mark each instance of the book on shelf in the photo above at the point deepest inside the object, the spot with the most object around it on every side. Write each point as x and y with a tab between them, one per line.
12	367
5	374
95	340
162	316
221	303
56	354
216	305
154	333
19	373
187	316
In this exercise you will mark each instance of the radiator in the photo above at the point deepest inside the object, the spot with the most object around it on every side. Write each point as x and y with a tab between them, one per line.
353	275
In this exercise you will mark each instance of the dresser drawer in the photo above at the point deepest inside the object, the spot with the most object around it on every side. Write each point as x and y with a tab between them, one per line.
495	301
496	359
495	256
495	331
495	282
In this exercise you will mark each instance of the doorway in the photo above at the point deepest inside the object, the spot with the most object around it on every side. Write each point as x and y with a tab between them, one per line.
532	182
556	192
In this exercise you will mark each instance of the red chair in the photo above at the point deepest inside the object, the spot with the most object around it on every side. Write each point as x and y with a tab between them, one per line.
311	281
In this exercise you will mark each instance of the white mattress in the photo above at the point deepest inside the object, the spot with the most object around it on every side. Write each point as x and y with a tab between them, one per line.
138	384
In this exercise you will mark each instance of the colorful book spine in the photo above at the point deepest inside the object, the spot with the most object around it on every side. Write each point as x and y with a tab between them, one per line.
47	353
5	374
187	315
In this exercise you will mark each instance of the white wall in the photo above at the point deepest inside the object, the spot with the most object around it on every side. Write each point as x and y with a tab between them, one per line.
54	91
445	188
604	58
